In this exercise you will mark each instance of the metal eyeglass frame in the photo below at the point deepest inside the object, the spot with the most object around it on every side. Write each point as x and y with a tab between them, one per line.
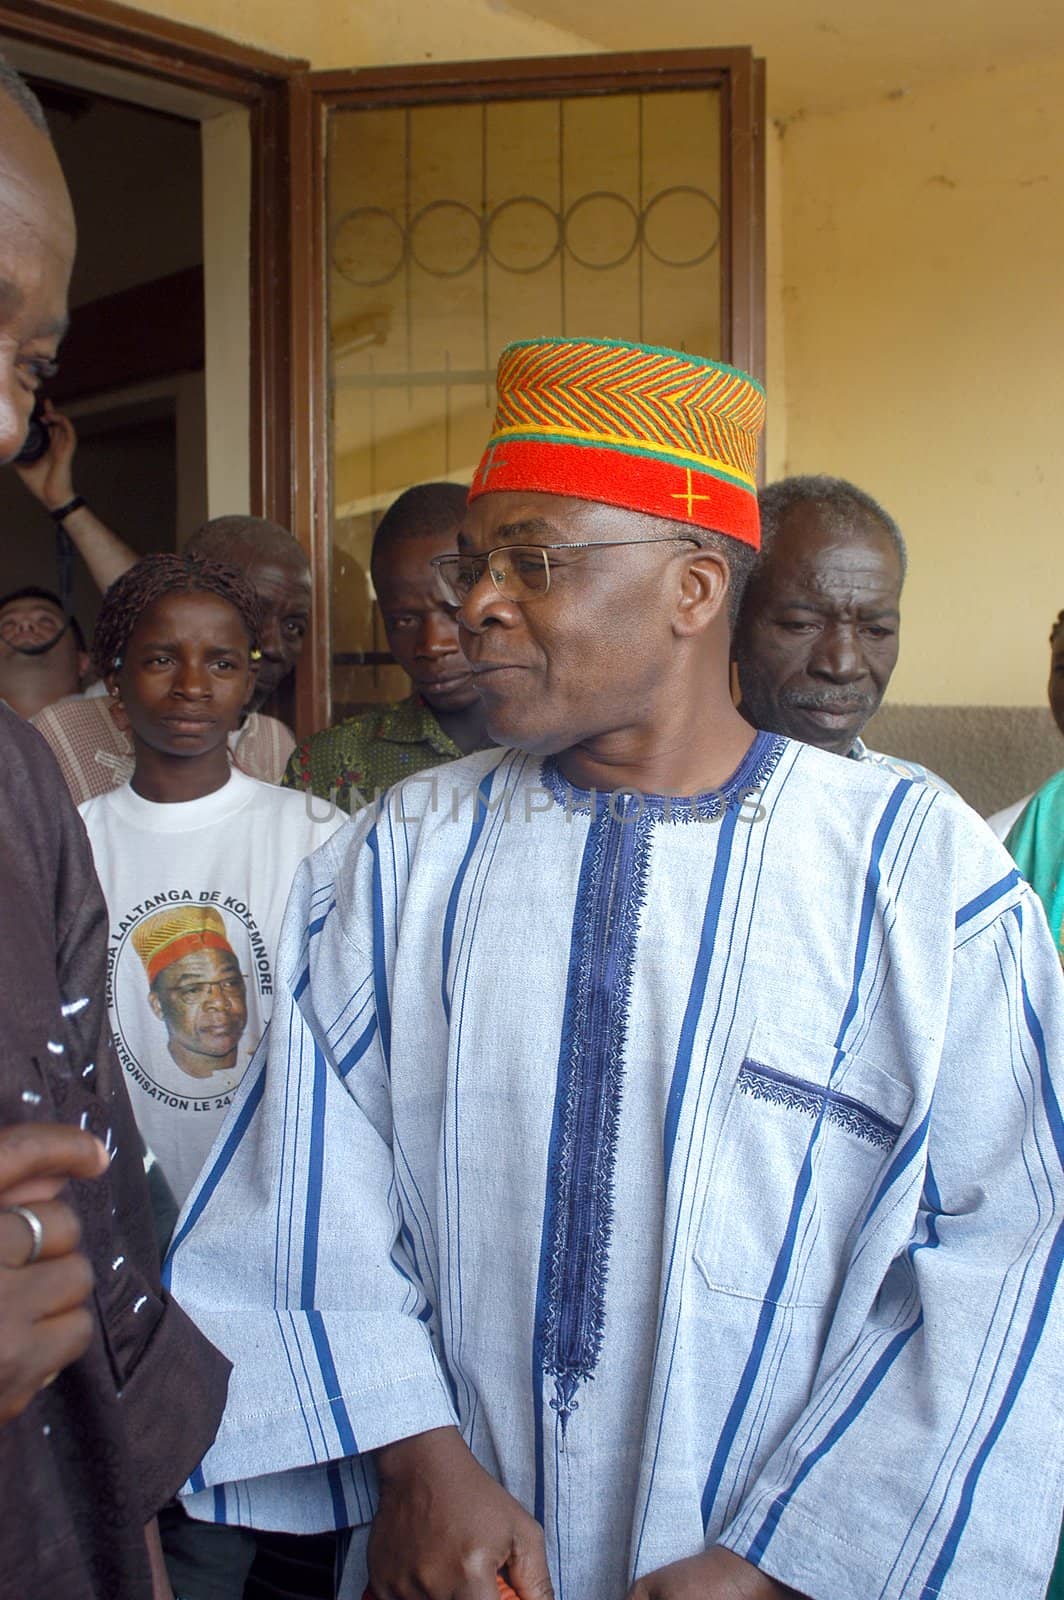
447	564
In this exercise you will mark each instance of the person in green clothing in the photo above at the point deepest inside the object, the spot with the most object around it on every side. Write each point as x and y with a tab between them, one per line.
1036	844
1036	839
443	719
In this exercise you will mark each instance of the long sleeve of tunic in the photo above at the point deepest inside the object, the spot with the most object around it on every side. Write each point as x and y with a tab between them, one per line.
105	1445
704	1164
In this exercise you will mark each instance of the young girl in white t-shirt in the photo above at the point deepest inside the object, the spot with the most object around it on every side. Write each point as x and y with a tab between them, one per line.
196	859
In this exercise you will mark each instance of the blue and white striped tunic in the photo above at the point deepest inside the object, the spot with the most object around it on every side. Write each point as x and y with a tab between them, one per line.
702	1162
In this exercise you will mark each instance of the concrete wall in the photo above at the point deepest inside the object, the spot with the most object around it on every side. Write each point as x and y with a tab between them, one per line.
921	239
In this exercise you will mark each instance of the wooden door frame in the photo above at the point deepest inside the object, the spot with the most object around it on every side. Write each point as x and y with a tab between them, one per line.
740	77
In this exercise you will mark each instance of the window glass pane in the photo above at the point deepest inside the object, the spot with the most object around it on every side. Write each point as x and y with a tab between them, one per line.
456	228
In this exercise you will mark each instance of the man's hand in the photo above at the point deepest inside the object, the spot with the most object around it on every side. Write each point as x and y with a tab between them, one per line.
44	1325
715	1575
50	480
444	1527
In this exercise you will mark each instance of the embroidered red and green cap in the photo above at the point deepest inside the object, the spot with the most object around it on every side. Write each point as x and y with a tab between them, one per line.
629	425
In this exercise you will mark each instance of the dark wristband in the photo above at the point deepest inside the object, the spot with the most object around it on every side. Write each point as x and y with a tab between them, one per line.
61	513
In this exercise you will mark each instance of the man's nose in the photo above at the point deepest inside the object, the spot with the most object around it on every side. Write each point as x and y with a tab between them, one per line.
838	656
270	641
484	607
193	681
437	636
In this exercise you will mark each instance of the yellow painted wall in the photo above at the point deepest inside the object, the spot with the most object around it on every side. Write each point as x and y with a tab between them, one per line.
363	33
922	242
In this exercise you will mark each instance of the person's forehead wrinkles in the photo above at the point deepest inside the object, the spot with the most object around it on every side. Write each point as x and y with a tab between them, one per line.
834	604
825	582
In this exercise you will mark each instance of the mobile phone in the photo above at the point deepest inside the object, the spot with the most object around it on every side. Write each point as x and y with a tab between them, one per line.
37	436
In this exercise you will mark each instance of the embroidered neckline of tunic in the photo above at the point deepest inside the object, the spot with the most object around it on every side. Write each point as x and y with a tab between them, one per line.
579	1219
753	771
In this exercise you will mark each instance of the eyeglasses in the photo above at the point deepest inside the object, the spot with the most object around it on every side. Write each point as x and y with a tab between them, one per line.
521	571
195	993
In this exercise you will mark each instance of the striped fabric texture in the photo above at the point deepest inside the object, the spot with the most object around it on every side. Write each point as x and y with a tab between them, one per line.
712	1187
647	429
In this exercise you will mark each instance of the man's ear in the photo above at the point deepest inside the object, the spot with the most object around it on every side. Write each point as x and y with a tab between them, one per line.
84	661
114	702
703	592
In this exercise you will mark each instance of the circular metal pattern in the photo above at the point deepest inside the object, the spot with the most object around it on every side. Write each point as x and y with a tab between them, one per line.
600	197
435	208
536	205
399	243
670	194
346	256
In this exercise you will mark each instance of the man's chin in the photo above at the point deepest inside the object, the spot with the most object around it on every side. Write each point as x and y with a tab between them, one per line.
265	689
517	733
831	732
460	699
204	1065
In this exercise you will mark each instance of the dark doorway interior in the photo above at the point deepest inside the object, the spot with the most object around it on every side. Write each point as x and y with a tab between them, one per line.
131	368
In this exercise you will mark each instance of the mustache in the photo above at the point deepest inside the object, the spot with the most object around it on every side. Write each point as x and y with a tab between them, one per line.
827	700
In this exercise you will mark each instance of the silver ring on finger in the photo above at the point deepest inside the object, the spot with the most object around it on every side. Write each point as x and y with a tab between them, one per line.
36	1227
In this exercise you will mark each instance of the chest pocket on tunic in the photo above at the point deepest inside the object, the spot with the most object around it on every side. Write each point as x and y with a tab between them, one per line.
796	1164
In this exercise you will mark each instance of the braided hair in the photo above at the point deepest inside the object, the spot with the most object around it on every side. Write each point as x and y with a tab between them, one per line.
151	579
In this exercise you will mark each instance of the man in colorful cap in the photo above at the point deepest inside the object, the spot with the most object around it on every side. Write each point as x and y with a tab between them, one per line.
195	986
657	1125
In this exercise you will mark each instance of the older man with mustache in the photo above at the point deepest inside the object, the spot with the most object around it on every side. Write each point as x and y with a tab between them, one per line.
818	633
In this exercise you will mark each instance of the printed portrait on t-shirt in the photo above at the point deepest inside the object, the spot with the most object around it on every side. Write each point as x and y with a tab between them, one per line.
195	987
186	984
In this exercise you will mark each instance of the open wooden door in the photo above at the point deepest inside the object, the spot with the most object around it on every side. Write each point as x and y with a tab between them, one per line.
437	213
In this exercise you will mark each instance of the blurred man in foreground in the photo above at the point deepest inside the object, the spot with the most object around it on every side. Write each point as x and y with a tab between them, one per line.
108	1395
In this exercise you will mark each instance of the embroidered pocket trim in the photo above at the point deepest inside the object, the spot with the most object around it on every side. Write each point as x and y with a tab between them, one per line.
763	1082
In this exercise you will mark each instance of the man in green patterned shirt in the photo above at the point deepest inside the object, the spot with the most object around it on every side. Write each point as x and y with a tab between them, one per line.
443	719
